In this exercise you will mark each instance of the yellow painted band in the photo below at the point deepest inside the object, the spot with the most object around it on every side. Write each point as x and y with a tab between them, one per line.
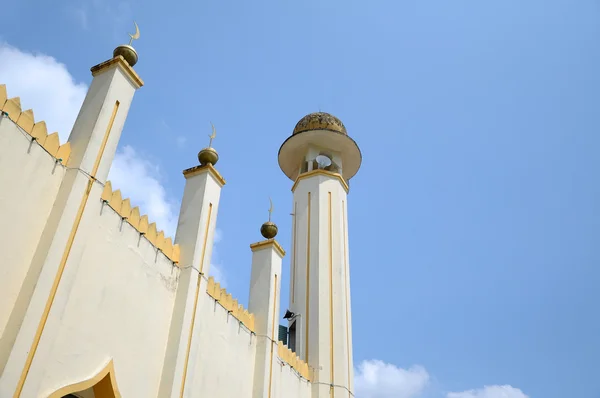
103	382
307	280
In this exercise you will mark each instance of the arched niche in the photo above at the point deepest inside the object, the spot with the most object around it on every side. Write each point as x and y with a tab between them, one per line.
102	385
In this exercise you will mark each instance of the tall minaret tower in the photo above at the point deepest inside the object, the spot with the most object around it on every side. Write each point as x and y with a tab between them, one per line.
321	158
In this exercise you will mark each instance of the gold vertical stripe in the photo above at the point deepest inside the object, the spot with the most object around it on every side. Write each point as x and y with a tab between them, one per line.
346	288
273	334
307	280
295	237
105	139
189	343
331	297
65	256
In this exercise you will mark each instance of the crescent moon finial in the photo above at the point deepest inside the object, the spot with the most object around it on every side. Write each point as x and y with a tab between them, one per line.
136	35
213	135
270	208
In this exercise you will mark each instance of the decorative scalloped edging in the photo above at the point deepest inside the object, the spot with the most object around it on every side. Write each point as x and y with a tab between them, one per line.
38	131
140	223
238	311
288	356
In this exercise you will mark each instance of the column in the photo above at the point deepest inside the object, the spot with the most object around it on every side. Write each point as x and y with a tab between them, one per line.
265	283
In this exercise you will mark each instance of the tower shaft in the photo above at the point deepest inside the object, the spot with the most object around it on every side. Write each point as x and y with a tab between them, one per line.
320	282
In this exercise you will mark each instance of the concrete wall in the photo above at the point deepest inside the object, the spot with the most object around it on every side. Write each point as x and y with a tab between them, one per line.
115	301
287	382
222	363
29	181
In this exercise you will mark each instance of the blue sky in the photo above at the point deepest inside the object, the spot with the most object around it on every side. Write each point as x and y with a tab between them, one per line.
474	221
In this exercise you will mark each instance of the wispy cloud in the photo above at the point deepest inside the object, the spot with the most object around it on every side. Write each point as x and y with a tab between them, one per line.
106	13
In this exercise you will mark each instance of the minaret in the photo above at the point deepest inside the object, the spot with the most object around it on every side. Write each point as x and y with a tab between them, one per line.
195	236
265	285
321	158
94	139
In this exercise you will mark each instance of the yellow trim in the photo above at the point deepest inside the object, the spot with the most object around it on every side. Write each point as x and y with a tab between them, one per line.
121	63
272	335
307	280
189	344
320	172
293	361
193	171
266	243
97	382
65	256
346	288
295	237
331	297
239	312
123	208
105	139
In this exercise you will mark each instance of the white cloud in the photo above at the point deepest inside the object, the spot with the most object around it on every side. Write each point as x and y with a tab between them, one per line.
377	379
44	85
490	392
137	178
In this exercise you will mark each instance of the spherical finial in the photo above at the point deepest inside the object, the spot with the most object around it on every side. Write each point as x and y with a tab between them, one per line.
269	230
208	156
127	52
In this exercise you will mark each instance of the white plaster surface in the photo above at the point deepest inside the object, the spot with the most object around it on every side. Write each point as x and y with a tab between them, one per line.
29	182
222	362
116	303
287	383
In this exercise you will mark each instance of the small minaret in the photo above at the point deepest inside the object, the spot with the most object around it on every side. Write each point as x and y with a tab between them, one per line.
265	285
98	126
195	236
321	158
93	141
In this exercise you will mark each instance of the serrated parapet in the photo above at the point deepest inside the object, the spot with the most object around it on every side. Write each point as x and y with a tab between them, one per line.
11	107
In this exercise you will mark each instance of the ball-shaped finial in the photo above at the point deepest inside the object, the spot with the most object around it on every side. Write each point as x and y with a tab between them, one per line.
269	230
127	52
208	156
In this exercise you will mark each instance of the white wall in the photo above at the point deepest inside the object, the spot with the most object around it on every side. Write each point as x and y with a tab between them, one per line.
115	301
222	359
287	383
29	182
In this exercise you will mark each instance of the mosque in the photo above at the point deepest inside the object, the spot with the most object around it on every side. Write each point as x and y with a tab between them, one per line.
96	302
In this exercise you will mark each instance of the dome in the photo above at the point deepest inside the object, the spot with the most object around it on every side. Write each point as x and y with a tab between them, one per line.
320	121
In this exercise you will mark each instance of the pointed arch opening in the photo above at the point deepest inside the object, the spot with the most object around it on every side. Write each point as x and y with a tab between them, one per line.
102	385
